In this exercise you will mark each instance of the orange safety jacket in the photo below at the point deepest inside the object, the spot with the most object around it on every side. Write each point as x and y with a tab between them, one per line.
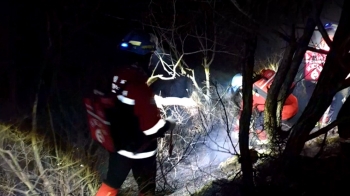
260	88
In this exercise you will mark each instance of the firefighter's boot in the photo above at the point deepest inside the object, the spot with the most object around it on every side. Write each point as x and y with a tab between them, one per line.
106	190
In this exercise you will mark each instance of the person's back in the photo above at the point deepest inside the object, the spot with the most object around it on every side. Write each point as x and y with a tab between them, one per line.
135	120
260	90
134	104
314	61
313	66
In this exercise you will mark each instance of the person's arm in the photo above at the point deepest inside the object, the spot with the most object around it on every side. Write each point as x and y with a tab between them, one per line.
148	113
167	101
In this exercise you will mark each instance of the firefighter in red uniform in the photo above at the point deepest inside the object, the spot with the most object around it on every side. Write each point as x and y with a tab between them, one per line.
135	119
260	87
314	63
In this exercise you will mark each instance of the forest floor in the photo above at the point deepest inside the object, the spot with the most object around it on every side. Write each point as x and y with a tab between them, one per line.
315	173
324	175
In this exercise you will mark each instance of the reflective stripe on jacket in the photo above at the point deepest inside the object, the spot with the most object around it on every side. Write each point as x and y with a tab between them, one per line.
137	117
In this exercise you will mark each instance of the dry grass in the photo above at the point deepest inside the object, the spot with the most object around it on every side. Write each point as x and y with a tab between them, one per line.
31	166
272	62
202	131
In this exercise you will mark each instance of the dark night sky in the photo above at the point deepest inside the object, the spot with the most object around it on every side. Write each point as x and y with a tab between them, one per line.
81	42
65	45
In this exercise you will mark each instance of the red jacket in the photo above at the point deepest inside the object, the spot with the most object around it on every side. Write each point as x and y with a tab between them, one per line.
313	65
137	118
314	61
260	88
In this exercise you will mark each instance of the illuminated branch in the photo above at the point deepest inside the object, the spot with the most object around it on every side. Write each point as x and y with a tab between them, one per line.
160	76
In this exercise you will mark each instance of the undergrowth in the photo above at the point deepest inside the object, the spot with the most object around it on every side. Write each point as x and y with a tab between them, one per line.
30	165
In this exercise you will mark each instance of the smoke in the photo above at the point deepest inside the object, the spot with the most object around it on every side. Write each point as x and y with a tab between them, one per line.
220	145
202	164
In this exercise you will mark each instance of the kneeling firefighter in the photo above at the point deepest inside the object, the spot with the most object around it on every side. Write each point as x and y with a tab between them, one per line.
135	121
260	88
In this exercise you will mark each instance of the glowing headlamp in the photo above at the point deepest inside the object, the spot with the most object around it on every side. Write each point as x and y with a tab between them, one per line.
124	45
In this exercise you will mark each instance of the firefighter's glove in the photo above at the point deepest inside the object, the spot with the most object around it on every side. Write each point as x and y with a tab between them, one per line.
169	126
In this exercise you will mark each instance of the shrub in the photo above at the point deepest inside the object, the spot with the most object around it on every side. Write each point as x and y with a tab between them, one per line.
32	166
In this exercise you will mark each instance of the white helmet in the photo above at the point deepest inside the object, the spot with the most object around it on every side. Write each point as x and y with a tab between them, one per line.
237	82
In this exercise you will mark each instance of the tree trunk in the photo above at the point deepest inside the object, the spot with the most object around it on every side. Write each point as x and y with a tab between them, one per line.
301	49
330	81
272	108
207	79
287	71
244	122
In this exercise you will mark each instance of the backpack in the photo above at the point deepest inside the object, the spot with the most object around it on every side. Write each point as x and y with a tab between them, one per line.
99	125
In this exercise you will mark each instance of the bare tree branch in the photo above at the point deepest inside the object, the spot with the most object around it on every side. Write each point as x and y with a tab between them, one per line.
244	12
319	24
